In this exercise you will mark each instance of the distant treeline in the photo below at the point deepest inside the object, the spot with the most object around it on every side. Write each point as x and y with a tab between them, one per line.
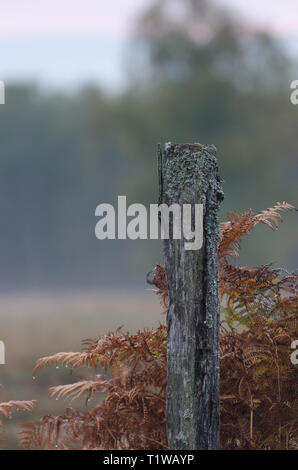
63	154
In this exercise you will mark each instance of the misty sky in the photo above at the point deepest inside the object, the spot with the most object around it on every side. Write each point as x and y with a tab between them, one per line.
67	42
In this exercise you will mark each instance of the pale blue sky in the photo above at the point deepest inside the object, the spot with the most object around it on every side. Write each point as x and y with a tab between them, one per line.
64	43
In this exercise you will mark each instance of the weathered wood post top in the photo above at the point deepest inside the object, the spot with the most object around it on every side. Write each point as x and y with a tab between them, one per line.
188	176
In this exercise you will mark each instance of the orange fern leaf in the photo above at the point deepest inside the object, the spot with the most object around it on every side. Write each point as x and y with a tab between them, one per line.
78	389
72	359
238	225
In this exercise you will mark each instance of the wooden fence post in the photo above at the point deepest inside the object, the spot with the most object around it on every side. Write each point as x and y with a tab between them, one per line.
188	174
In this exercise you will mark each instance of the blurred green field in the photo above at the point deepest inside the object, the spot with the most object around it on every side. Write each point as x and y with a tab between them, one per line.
36	325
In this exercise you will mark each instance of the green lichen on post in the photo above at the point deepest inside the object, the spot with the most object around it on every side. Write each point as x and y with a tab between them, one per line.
187	414
188	165
182	438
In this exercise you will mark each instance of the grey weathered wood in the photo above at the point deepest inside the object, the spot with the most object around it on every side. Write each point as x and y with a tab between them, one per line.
188	174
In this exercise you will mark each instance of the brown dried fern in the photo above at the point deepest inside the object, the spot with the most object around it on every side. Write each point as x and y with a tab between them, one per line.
8	408
259	406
